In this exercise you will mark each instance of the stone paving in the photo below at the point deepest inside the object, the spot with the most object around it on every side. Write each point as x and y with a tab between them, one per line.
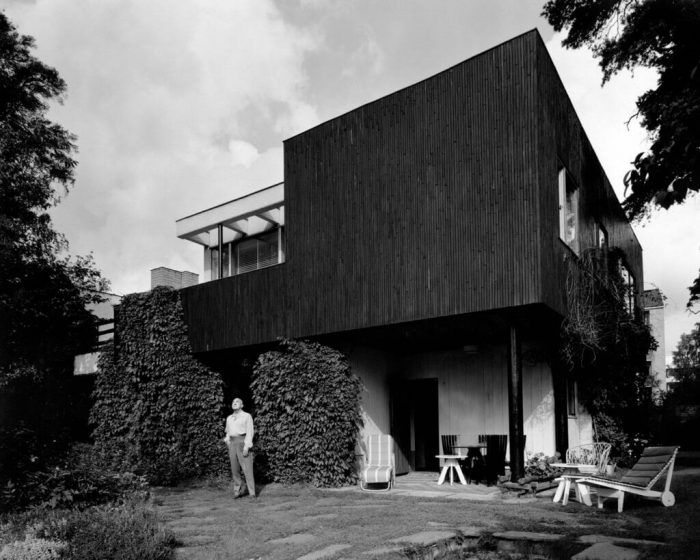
201	519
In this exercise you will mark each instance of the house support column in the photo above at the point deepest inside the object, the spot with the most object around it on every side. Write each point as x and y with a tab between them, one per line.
561	415
515	405
220	261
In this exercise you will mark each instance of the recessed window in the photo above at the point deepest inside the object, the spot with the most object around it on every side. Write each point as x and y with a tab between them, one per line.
568	211
601	236
629	288
571	396
247	254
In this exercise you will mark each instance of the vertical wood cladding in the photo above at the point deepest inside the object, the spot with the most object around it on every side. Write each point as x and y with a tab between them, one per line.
421	204
437	200
563	142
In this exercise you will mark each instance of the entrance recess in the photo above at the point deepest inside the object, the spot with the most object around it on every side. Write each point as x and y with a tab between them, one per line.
414	424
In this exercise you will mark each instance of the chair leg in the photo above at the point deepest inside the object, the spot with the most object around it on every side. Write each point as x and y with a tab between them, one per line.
620	502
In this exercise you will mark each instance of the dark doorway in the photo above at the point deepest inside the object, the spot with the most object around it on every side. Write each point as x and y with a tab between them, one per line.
414	419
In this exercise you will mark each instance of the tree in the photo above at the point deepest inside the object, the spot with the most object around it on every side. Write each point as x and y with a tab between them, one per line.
43	292
658	34
686	361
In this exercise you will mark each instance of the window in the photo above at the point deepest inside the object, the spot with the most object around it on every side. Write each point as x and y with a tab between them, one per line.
257	252
249	253
570	396
601	236
568	211
629	288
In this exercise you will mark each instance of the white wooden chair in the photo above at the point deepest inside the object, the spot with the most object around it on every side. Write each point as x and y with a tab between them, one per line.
639	480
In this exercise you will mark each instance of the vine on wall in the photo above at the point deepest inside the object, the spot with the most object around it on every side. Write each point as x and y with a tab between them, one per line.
157	410
307	405
605	347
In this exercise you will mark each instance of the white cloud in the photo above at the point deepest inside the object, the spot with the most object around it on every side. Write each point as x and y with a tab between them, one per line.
159	95
242	153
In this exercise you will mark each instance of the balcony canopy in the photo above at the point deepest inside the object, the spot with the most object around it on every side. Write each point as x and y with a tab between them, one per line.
244	216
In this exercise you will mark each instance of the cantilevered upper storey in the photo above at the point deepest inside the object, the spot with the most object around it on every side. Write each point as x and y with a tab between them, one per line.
466	193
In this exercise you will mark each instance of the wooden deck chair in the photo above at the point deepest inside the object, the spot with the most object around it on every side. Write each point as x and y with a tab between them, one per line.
380	462
495	456
639	480
448	443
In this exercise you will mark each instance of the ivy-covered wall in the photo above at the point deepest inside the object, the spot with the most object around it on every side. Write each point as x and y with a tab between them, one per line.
604	346
157	409
307	404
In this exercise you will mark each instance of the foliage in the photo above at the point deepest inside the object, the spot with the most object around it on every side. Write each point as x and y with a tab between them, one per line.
539	467
658	34
79	481
682	402
33	549
307	404
127	531
43	293
686	363
604	346
157	409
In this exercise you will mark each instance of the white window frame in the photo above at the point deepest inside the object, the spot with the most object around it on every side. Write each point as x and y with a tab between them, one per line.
568	211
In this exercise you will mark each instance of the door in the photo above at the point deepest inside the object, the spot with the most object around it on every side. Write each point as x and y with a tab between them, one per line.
414	423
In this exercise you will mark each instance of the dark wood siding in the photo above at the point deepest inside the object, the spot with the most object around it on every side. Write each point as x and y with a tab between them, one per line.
436	201
562	141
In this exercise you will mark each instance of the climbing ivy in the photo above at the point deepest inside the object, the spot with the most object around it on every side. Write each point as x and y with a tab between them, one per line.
605	347
157	410
307	405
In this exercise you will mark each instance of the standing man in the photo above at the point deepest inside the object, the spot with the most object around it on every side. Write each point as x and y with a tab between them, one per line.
239	438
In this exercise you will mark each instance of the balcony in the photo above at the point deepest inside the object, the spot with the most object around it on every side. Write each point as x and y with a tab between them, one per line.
241	235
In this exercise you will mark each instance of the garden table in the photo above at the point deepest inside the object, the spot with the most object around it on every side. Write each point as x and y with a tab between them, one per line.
575	472
451	465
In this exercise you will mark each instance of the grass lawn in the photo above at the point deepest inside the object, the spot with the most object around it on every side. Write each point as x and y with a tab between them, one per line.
213	526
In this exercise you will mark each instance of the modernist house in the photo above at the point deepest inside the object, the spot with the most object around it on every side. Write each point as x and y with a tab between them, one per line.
426	234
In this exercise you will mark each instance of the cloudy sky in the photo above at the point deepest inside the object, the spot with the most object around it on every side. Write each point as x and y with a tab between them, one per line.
180	105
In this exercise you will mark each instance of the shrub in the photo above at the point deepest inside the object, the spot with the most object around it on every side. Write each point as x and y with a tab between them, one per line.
79	481
539	467
128	531
157	409
307	405
33	549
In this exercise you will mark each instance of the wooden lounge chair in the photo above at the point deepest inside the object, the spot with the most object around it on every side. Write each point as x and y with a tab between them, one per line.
639	480
380	462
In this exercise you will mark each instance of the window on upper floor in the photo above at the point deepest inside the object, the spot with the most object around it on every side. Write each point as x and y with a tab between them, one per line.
601	236
629	287
249	253
568	211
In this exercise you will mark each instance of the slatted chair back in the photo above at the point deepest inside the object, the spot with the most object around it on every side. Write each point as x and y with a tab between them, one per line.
379	467
448	444
380	449
650	466
594	454
495	456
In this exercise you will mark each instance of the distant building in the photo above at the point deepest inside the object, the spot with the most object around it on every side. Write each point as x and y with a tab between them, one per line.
163	276
653	305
